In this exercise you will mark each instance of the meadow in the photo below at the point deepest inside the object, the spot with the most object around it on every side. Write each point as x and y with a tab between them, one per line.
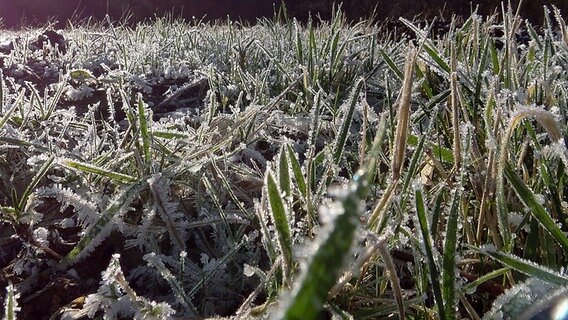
180	169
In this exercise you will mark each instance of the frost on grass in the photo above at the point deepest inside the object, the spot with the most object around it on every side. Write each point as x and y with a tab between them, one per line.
115	298
11	307
517	301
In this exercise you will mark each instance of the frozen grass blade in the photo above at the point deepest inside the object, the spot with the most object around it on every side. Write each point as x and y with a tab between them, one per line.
9	113
428	247
537	210
449	259
284	173
403	117
280	219
346	122
454	102
144	132
548	121
527	267
11	303
89	168
297	170
89	241
33	184
333	244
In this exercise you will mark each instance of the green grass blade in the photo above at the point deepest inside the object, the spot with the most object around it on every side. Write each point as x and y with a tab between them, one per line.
346	122
449	259
11	303
297	170
486	277
280	219
391	64
325	266
8	113
284	173
35	181
87	243
333	244
525	266
89	168
144	131
428	245
536	209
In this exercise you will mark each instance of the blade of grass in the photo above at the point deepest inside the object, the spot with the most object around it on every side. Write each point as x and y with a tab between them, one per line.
339	145
428	245
33	184
449	258
144	132
284	173
124	200
296	169
538	211
403	117
280	219
527	267
333	244
88	168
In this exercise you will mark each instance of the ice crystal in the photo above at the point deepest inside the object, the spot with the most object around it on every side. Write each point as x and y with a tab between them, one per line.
78	94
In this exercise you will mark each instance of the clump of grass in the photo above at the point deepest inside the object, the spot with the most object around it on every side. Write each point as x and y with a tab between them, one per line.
285	170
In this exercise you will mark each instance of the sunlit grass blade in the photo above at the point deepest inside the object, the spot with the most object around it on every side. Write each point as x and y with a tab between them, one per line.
393	276
88	168
280	219
403	115
525	266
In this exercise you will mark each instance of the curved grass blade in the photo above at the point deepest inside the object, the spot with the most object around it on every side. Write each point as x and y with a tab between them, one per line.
280	219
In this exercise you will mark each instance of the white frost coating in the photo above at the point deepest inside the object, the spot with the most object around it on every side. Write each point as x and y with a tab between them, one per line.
248	270
13	295
78	94
328	213
41	236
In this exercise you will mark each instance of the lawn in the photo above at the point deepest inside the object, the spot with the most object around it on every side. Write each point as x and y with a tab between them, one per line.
180	169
